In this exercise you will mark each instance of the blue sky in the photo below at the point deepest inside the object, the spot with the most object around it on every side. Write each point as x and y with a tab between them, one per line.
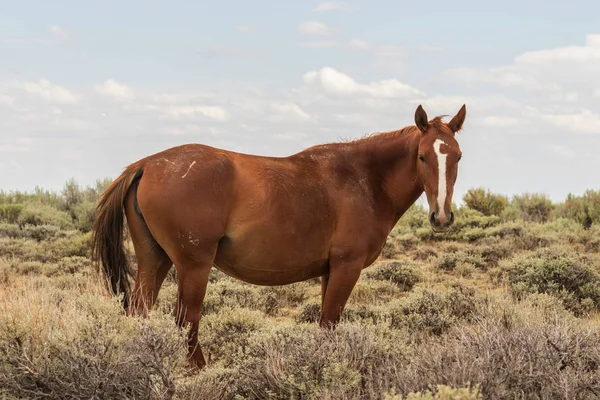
86	89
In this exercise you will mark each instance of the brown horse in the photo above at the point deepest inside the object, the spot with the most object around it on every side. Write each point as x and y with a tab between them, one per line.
323	212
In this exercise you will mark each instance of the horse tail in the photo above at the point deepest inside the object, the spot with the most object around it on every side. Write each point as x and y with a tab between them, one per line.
107	236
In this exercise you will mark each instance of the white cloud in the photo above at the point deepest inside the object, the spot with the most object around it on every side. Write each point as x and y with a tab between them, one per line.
335	82
245	28
334	5
212	112
314	28
231	52
322	43
560	70
563	151
48	91
115	90
584	121
503	76
579	54
59	33
6	100
359	44
499	121
290	111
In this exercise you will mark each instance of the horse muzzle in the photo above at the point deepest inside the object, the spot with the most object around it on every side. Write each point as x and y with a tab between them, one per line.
440	222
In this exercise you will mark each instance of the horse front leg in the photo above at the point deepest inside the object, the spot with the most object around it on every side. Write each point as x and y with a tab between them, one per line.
343	275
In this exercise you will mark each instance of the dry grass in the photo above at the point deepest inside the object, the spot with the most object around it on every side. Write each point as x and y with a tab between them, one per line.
498	308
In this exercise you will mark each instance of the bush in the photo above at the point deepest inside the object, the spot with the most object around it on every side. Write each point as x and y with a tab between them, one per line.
442	392
228	332
485	202
291	361
428	311
403	273
229	293
528	351
449	261
533	207
84	214
9	213
83	347
42	214
560	272
583	209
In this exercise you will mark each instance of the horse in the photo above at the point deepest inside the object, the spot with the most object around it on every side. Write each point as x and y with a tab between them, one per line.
325	212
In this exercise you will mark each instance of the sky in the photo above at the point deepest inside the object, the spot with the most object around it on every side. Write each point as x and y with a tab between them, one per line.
86	89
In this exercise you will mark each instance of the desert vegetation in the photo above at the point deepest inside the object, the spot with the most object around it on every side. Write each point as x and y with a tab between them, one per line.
505	306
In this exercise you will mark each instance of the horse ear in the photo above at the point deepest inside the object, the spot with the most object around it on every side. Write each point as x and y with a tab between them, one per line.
421	119
456	122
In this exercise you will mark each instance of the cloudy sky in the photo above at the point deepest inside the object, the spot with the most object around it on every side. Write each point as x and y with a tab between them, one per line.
86	89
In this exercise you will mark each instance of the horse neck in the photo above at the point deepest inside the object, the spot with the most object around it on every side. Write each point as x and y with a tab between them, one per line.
391	160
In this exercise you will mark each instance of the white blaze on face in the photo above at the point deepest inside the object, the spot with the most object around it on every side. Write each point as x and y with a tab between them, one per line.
441	158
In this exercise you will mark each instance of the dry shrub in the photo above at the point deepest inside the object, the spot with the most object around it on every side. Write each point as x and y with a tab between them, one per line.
55	344
560	272
533	350
441	392
304	361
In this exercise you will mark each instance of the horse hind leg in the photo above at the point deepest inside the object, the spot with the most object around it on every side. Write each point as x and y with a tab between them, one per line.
153	262
192	283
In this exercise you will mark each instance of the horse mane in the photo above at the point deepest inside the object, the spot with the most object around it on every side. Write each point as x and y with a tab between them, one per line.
436	123
377	137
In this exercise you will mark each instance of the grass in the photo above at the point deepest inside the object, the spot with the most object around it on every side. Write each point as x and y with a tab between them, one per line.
504	306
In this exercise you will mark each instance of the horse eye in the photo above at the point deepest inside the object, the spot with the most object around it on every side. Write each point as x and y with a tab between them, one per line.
459	157
421	157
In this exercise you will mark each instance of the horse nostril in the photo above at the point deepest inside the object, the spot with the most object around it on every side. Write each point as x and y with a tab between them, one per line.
451	218
432	218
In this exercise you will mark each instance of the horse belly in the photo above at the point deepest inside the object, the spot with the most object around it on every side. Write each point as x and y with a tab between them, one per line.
272	258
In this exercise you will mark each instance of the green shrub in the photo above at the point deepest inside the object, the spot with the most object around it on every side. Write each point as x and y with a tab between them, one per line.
560	272
309	311
71	196
405	274
229	293
84	214
42	214
534	207
9	213
39	232
428	311
449	261
583	209
229	331
485	202
275	298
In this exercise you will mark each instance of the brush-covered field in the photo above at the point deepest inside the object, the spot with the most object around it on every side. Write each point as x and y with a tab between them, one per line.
504	306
